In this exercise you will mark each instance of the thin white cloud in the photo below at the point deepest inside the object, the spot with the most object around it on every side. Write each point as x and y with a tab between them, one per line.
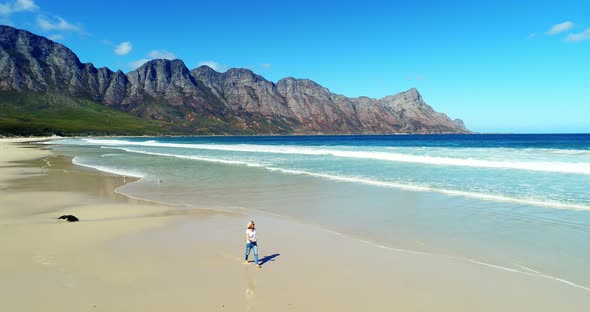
559	28
7	8
161	54
215	66
532	35
56	37
415	78
266	65
124	48
136	64
107	42
25	5
154	54
58	23
585	35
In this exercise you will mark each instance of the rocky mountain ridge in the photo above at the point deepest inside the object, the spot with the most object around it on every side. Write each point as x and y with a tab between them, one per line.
205	101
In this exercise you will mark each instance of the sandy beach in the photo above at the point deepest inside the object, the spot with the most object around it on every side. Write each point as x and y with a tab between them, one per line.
132	255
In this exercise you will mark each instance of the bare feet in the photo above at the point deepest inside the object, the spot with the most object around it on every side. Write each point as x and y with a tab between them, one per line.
258	266
245	261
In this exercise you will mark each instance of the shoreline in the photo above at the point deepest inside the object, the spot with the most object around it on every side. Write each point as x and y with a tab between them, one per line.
159	256
417	187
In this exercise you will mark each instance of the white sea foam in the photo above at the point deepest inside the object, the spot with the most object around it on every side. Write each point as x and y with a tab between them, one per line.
111	155
76	161
563	151
421	188
528	269
386	184
222	161
542	166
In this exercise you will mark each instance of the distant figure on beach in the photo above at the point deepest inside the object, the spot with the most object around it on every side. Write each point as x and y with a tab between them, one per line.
251	243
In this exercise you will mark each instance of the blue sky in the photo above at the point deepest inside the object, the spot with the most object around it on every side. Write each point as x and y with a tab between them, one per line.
501	66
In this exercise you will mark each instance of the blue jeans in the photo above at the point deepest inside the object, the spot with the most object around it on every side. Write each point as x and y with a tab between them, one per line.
254	246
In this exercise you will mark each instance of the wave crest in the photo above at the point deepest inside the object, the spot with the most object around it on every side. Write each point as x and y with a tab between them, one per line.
540	166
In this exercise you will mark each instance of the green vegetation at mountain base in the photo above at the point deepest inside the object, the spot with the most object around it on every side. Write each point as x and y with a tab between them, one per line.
28	113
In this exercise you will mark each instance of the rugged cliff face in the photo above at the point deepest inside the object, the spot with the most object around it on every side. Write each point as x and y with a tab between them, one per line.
205	101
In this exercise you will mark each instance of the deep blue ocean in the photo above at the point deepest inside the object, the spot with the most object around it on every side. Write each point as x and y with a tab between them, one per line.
516	201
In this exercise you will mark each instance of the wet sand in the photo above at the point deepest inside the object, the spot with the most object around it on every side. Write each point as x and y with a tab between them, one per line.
132	255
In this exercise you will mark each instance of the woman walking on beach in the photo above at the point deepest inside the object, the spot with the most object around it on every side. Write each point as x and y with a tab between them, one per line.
251	243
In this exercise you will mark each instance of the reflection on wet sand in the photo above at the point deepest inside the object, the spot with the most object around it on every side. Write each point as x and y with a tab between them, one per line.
250	288
59	174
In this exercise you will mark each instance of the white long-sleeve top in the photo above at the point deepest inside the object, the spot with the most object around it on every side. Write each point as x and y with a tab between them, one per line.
251	235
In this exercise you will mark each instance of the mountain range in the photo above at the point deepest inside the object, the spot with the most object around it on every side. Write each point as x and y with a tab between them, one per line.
44	88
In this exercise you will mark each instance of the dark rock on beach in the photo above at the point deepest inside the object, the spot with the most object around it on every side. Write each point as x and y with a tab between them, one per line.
69	218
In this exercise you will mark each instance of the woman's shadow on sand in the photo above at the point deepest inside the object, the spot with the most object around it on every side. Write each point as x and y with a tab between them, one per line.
266	259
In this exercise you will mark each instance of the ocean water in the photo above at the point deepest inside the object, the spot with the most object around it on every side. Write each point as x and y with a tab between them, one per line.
513	202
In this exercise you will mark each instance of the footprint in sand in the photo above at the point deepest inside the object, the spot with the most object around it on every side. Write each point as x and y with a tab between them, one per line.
47	260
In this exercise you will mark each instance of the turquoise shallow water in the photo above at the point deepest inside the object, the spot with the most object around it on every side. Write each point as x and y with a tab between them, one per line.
519	202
